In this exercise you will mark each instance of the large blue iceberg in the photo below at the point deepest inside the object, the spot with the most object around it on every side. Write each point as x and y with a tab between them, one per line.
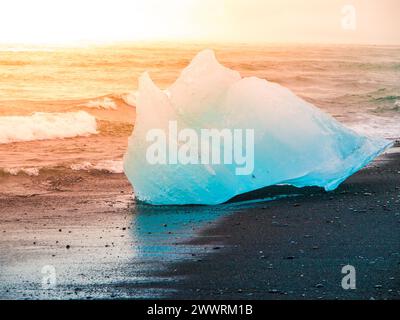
291	142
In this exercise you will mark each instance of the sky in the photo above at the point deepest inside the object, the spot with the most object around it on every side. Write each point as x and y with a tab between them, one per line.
244	21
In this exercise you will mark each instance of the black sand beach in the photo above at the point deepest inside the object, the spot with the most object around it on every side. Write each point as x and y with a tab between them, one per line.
102	245
295	248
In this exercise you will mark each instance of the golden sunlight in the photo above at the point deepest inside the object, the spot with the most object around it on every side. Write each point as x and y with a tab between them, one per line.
315	21
63	21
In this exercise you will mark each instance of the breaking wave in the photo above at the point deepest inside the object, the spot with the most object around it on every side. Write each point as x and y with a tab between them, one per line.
17	171
44	126
370	125
105	103
111	166
105	166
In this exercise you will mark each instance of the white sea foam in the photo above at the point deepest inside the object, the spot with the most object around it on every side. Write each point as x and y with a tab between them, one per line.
371	125
112	166
28	171
105	103
43	126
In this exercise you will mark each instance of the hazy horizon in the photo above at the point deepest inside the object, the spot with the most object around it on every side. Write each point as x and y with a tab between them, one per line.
46	22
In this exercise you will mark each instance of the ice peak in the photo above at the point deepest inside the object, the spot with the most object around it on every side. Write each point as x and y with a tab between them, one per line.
205	66
203	58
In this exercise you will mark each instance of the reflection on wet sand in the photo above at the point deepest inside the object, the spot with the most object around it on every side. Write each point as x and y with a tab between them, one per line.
109	247
100	243
162	232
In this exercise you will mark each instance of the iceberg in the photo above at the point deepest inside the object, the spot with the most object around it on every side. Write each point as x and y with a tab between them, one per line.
290	141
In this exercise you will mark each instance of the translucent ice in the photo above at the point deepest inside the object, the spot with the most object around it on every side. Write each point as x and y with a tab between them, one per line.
295	143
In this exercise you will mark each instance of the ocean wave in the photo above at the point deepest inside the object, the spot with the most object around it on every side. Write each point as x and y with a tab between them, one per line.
370	125
390	98
105	166
17	171
44	126
105	103
392	104
111	166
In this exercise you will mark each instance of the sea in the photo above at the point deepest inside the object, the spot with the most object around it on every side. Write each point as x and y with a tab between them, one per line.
74	108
